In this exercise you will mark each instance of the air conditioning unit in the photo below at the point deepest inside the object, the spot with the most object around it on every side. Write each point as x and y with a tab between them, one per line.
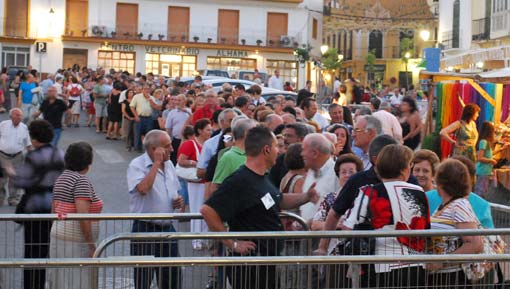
98	30
287	41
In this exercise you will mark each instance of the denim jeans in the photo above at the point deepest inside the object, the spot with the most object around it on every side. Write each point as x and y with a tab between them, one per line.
167	278
145	125
57	133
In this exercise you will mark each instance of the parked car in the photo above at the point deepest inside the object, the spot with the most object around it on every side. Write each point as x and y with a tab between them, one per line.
266	91
190	79
214	72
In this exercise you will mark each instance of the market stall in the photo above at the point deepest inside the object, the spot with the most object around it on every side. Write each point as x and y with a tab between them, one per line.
491	92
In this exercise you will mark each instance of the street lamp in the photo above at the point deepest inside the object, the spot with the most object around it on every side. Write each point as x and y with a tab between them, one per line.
324	49
425	35
340	57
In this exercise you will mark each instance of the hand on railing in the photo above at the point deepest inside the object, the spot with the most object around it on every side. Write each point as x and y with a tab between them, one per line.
243	247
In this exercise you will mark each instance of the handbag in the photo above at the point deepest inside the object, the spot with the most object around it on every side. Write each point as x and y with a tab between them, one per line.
189	174
361	245
492	245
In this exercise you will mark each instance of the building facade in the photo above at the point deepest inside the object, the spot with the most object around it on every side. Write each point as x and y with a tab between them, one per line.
475	35
172	38
358	28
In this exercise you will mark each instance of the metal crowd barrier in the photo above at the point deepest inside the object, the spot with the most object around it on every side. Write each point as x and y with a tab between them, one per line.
199	269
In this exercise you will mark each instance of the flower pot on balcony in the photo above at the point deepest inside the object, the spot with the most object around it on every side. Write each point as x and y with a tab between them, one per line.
161	37
139	35
149	37
195	38
209	40
243	41
259	42
113	34
84	32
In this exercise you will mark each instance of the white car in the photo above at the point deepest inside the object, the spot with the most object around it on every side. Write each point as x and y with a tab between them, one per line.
266	91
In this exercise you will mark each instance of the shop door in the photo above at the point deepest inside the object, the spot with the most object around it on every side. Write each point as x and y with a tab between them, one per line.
171	69
75	56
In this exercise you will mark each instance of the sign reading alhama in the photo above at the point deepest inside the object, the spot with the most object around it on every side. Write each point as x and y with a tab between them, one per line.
231	53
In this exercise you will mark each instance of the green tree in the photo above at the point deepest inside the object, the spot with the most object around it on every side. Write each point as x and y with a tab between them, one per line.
406	45
370	63
330	60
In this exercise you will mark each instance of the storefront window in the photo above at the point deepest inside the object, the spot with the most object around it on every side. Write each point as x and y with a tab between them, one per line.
17	56
231	64
170	65
120	61
288	69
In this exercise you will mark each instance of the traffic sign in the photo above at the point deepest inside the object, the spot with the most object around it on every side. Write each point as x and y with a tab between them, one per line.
41	47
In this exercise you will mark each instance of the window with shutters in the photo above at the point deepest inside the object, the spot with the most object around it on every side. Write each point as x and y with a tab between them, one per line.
315	28
76	17
228	26
16	18
126	20
277	25
178	23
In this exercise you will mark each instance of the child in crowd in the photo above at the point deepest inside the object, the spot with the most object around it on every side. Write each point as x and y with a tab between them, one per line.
485	161
88	104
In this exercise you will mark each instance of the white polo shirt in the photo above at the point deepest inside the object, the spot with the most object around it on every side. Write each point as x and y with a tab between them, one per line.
13	139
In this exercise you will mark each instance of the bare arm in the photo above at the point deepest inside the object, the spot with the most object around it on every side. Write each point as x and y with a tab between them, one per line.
470	244
184	161
445	132
215	224
292	201
82	207
329	225
146	184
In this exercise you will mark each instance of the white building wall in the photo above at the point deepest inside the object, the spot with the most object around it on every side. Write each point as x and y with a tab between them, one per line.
153	19
445	18
466	21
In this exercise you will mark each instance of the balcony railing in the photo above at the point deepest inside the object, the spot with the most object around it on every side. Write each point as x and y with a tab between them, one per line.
481	29
192	34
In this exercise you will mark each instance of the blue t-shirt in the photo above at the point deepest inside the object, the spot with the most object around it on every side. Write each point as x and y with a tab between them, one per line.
484	169
26	92
481	207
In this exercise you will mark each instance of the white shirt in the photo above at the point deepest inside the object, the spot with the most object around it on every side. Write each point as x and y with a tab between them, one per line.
175	121
122	96
321	120
336	85
396	99
208	151
70	86
275	82
13	139
164	190
390	124
325	182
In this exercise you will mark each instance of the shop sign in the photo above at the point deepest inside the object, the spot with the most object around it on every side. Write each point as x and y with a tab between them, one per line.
376	67
118	47
231	53
171	50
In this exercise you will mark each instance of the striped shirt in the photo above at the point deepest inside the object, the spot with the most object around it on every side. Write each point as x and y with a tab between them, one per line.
72	186
69	187
457	211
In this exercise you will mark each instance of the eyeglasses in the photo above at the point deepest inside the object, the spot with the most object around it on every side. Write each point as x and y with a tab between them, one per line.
358	130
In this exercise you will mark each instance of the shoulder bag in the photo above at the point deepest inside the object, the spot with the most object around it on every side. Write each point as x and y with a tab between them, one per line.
189	174
362	245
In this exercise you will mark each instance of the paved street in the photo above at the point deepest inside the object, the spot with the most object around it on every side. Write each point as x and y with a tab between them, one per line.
108	175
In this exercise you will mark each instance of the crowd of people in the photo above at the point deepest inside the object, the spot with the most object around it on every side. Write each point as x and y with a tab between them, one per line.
240	159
